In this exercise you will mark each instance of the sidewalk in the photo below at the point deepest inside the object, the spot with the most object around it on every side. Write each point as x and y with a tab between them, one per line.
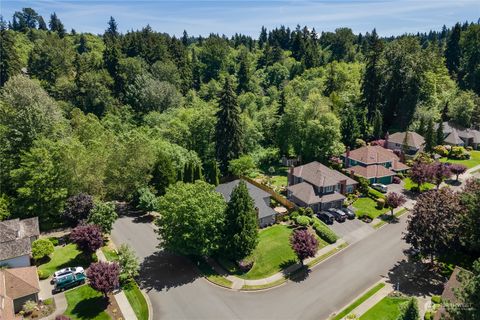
60	306
120	297
238	283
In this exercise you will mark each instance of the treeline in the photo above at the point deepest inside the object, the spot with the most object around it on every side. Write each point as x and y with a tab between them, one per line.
111	114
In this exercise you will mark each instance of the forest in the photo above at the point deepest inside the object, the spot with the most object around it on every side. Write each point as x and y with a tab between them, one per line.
113	115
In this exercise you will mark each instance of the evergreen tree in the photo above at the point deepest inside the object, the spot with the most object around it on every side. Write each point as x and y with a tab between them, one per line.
185	38
112	54
430	137
82	44
56	25
228	130
377	124
282	103
350	128
243	74
41	24
262	39
410	310
421	127
241	232
453	51
372	78
10	63
196	72
439	135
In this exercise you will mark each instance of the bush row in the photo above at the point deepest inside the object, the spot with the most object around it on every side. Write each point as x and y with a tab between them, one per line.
324	232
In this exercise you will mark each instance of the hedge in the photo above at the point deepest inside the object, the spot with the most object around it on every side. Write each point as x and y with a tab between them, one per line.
324	232
374	194
303	221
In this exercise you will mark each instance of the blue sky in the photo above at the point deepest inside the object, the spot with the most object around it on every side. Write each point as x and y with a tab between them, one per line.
390	17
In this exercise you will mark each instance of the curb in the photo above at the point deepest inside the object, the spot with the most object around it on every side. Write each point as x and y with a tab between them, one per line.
149	304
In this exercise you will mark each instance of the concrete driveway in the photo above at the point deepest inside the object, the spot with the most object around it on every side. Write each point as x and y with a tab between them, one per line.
178	292
352	230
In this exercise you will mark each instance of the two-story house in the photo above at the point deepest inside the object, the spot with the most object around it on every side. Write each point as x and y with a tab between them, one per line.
375	163
16	237
318	187
410	142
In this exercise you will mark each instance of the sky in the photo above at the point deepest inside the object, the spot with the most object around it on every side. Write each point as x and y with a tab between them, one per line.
201	17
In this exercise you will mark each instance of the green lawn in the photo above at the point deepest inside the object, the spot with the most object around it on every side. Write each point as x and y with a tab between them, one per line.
387	309
359	301
367	207
409	184
137	300
110	254
470	163
65	256
86	303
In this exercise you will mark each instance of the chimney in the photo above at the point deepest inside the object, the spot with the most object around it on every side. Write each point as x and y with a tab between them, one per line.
291	181
385	145
343	186
347	157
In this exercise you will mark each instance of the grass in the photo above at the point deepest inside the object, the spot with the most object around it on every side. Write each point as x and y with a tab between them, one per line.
110	254
387	309
359	301
65	256
409	185
326	255
86	303
367	207
385	219
470	163
137	300
213	276
264	286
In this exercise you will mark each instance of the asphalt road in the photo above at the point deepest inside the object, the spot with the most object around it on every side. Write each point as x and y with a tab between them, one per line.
177	292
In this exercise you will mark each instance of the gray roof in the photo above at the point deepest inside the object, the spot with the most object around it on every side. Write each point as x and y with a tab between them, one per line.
414	140
319	175
15	237
460	132
453	138
304	191
261	198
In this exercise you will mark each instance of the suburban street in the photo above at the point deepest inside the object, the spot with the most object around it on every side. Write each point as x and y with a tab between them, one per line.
177	291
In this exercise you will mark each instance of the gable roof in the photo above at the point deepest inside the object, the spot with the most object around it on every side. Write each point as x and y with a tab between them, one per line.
372	155
414	140
458	132
304	192
20	282
319	175
453	138
15	235
373	171
258	195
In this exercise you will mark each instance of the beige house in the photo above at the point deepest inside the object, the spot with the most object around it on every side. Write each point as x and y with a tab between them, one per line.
410	141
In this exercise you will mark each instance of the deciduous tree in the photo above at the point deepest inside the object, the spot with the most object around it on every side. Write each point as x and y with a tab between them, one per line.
128	262
88	238
103	214
42	248
394	200
304	244
104	277
457	169
78	207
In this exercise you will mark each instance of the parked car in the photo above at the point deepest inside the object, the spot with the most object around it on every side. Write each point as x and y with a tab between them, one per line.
65	271
339	215
380	187
326	217
349	212
68	281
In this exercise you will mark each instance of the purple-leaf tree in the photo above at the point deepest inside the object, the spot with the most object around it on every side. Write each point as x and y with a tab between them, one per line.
78	207
457	169
104	276
304	244
421	173
394	200
440	172
88	238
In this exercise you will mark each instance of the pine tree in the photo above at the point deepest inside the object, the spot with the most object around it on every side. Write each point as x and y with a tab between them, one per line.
453	50
430	137
282	103
350	128
185	38
56	25
10	63
439	135
372	78
410	311
196	72
82	44
41	24
377	124
228	131
421	127
241	231
243	74
262	39
112	54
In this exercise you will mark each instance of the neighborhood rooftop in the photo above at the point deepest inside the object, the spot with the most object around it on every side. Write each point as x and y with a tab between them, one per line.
16	235
320	175
413	139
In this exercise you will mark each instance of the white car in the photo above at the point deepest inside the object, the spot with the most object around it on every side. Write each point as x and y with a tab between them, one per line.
380	187
62	272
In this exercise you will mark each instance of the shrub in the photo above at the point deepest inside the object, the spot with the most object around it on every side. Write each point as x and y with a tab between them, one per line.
401	175
380	203
245	265
374	194
441	151
29	306
42	274
458	153
428	315
324	232
48	301
396	180
146	199
303	221
294	215
308	212
437	299
54	241
468	148
41	248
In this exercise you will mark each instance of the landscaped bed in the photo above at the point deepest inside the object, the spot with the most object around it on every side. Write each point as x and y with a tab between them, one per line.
367	207
65	256
389	308
469	163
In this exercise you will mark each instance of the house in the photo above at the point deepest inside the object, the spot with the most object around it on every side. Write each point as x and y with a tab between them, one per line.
16	237
17	286
458	136
318	187
448	294
266	215
375	163
410	142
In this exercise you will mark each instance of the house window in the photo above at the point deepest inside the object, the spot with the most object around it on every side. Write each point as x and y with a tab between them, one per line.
349	189
328	189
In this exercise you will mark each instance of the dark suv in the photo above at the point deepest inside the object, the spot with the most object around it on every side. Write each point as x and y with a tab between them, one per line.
350	214
326	217
339	215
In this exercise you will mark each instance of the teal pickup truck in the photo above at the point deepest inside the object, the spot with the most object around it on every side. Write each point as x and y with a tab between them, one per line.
68	281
